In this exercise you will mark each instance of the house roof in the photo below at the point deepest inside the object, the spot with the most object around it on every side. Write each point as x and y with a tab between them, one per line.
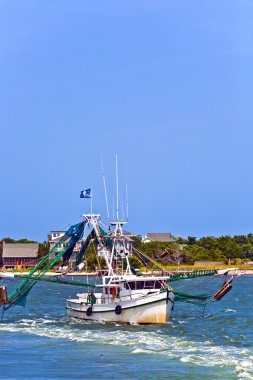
20	250
161	236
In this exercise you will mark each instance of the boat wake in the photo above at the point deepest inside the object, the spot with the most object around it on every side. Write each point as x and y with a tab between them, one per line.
140	340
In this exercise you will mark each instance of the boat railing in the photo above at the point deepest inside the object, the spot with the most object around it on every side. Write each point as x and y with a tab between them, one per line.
137	296
103	300
99	298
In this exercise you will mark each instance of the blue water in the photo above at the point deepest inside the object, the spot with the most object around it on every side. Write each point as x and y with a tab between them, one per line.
41	342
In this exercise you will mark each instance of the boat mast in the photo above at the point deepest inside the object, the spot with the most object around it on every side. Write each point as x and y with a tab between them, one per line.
101	249
126	202
117	189
120	243
106	199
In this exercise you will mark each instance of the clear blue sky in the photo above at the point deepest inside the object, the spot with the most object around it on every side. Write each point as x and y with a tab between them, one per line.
167	84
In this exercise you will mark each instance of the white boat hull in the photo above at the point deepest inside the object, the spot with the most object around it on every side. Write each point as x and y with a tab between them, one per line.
154	308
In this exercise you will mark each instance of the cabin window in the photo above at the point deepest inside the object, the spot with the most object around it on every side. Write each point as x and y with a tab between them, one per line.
149	284
130	285
139	285
152	285
158	285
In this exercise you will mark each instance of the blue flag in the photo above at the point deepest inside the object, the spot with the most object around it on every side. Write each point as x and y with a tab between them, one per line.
85	193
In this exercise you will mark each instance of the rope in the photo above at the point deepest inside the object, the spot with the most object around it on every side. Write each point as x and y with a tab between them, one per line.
152	260
94	248
204	309
71	223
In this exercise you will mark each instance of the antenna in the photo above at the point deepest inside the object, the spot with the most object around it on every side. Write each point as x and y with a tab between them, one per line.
106	199
117	189
113	207
126	197
123	214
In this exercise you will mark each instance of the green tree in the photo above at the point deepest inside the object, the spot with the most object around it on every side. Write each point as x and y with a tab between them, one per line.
216	255
8	240
196	253
229	247
164	252
209	242
247	251
192	240
43	249
240	239
137	241
24	240
181	240
134	262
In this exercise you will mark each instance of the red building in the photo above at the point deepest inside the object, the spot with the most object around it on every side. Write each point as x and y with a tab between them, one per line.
20	255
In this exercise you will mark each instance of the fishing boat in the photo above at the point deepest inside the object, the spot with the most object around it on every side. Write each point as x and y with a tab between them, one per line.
123	294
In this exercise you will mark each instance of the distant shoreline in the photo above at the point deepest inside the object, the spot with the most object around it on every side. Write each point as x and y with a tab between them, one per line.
220	271
49	274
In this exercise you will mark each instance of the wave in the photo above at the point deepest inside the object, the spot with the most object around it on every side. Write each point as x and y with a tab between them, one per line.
140	341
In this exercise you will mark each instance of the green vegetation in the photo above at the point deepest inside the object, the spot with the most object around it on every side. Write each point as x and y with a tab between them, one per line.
234	250
92	261
43	248
227	249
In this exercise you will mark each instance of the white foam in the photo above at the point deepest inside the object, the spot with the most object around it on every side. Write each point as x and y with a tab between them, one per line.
243	374
141	341
141	351
185	359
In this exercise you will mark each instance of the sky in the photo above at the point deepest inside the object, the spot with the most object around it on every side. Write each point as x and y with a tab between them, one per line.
166	85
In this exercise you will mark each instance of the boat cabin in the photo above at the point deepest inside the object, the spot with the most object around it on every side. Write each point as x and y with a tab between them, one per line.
115	289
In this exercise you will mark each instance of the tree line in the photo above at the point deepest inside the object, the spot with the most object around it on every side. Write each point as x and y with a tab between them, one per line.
226	249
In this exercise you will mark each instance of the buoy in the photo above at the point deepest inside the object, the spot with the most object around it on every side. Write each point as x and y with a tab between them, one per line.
118	310
221	293
89	311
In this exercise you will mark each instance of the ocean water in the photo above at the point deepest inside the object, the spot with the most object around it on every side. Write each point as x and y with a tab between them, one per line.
41	342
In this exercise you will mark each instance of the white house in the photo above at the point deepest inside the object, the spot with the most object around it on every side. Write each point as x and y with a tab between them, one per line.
55	237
